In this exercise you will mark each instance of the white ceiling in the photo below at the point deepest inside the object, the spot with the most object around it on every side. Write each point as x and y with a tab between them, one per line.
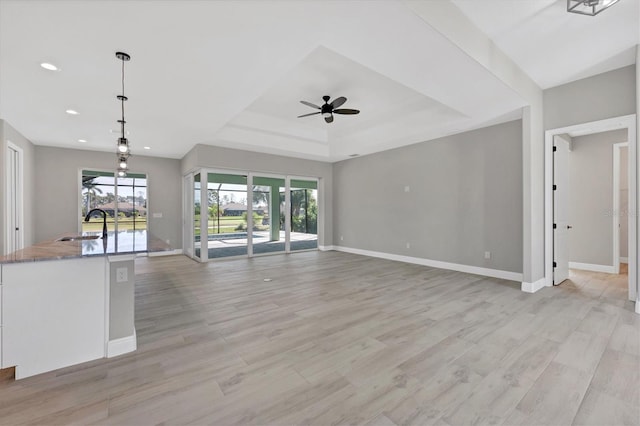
232	73
555	47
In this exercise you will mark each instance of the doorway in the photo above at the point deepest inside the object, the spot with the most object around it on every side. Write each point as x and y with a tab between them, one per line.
554	243
621	214
14	203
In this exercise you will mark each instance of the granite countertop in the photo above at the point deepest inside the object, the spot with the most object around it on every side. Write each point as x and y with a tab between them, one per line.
123	242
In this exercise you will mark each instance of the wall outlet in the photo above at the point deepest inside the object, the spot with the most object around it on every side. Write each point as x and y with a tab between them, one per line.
487	255
408	245
407	189
122	275
341	238
157	215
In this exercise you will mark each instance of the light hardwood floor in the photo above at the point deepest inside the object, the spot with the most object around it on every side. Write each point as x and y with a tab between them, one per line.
336	338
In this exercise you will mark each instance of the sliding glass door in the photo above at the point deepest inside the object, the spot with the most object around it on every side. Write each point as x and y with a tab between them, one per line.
304	214
236	214
197	205
268	206
227	201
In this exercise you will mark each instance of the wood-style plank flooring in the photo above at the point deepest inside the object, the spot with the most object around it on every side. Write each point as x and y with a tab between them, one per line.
336	338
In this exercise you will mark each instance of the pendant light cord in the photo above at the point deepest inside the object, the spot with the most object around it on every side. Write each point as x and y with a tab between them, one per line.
122	99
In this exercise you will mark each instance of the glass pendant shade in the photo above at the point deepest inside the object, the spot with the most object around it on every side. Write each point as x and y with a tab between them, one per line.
123	145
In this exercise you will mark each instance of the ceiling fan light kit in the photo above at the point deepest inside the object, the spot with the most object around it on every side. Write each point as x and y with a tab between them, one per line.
328	109
589	7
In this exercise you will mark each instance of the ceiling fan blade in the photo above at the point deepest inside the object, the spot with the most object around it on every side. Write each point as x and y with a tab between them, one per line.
346	111
306	115
329	119
337	102
310	104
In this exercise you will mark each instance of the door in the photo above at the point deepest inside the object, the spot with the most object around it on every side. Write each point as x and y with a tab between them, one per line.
228	210
560	210
14	233
304	214
187	226
268	208
196	223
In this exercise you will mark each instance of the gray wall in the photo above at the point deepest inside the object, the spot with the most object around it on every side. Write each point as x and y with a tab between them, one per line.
464	198
248	161
611	94
57	186
591	197
8	133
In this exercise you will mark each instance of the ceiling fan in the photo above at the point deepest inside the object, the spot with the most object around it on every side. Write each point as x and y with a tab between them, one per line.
328	109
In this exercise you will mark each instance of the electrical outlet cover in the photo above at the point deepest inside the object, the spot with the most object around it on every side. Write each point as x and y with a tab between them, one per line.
122	275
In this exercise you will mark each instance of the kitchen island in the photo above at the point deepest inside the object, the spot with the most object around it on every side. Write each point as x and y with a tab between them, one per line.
67	302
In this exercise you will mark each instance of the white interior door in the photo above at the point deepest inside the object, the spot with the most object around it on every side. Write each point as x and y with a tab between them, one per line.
14	232
560	210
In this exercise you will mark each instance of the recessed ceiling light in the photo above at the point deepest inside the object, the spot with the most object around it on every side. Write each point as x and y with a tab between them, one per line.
353	155
72	112
82	140
147	147
48	66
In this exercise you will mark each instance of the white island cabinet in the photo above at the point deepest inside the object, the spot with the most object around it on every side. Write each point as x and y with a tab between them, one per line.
67	302
53	314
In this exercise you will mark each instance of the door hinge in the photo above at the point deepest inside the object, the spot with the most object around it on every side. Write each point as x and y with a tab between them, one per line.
555	265
555	226
555	187
555	148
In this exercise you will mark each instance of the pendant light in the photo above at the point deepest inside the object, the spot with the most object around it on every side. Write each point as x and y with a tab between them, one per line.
123	151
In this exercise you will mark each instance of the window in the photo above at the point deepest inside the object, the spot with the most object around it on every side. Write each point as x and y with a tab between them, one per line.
124	200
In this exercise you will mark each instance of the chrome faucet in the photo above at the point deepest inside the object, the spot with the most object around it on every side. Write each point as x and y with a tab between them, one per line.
104	220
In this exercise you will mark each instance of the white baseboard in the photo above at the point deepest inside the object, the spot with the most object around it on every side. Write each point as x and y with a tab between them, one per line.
624	260
326	248
608	269
122	346
534	286
165	253
494	273
121	257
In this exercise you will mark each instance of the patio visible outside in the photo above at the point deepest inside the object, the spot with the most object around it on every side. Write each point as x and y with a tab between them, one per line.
227	223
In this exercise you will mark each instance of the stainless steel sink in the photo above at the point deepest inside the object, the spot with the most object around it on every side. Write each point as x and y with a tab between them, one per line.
79	238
